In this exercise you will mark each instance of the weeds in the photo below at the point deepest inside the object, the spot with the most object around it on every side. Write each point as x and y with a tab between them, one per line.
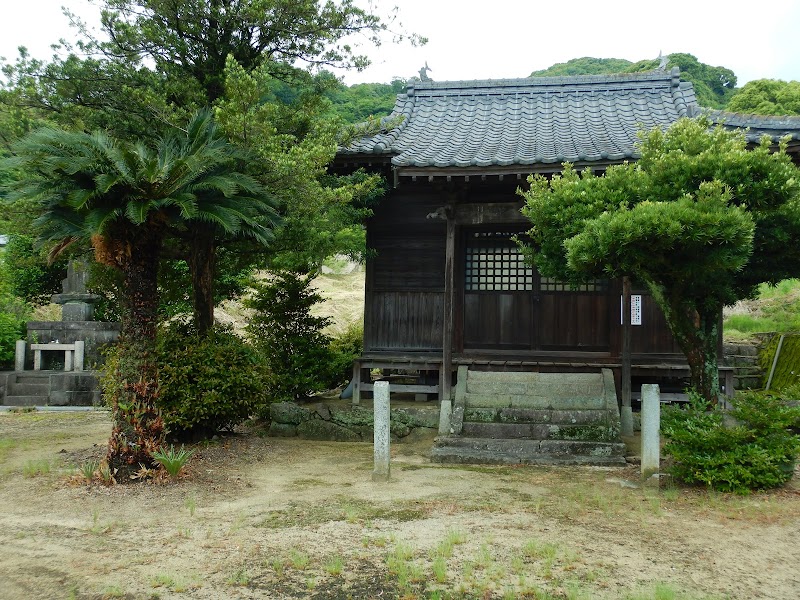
34	468
239	577
190	504
334	565
298	560
439	568
88	469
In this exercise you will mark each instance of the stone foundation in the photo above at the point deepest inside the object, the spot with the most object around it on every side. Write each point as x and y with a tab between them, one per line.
327	422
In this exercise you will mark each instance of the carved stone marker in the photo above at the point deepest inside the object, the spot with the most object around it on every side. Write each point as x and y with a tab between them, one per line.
651	423
380	406
76	303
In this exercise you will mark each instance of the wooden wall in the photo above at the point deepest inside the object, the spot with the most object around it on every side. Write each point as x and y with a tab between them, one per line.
405	286
405	275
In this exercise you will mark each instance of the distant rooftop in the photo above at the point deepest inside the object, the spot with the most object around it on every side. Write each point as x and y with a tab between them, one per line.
522	125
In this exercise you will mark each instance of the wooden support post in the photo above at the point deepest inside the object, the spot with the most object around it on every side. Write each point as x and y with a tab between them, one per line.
446	373
356	382
626	412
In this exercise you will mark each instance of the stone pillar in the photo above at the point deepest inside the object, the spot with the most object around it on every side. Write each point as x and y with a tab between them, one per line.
651	423
19	356
380	406
445	411
80	350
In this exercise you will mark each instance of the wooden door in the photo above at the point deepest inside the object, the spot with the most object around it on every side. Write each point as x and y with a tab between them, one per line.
500	293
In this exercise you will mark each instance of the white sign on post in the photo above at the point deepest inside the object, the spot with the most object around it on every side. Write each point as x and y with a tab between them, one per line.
636	310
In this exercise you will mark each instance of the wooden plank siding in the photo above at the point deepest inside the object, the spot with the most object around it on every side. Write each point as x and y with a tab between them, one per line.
404	304
574	320
396	320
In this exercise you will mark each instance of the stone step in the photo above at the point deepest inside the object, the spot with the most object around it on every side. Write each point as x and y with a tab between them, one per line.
533	401
29	389
536	416
25	400
516	431
32	377
566	387
510	451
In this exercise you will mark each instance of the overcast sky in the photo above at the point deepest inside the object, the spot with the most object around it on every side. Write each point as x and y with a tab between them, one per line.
510	38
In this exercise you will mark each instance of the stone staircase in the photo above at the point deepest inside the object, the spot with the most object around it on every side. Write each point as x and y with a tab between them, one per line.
28	388
533	418
49	388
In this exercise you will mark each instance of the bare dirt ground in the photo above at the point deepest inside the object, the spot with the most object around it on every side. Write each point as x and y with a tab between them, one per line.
257	517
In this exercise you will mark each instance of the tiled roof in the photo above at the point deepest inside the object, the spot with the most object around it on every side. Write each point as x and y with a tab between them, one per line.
463	124
776	127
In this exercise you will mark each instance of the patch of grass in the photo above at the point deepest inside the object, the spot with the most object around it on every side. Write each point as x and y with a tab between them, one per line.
239	577
163	580
777	309
452	538
659	591
307	483
190	504
88	469
113	591
35	468
334	565
299	560
439	568
342	508
6	445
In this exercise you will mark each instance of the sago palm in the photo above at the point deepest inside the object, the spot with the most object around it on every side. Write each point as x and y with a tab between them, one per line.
127	198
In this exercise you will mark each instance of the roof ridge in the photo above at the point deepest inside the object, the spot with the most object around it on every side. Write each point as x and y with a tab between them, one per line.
740	119
666	77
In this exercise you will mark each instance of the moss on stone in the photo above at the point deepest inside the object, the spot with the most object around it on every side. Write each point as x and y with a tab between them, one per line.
317	429
481	415
585	433
787	371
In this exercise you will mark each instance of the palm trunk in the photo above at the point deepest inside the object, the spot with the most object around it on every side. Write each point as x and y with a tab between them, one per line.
202	265
138	428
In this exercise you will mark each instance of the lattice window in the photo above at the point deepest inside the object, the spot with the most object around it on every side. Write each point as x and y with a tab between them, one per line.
548	284
497	268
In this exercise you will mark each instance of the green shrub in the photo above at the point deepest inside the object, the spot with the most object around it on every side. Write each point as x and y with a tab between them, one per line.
208	383
290	338
12	328
750	448
345	348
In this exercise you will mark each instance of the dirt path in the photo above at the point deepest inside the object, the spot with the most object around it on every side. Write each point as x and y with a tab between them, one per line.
274	518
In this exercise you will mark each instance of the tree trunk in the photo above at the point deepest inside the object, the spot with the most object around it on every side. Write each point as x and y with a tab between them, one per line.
202	265
696	331
133	392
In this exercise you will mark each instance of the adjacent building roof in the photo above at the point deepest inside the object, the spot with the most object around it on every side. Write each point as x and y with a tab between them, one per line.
521	125
757	126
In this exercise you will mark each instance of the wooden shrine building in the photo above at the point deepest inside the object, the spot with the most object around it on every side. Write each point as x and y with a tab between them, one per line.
447	286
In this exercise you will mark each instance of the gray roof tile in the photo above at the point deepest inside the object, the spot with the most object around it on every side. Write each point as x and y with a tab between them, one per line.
528	121
545	120
776	127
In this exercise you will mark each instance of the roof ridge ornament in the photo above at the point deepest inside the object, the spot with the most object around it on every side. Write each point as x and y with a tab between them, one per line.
662	61
423	72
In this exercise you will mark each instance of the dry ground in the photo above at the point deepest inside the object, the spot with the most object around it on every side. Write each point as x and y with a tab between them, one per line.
257	517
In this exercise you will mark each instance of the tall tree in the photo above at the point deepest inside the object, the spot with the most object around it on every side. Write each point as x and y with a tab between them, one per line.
194	38
166	58
126	198
699	220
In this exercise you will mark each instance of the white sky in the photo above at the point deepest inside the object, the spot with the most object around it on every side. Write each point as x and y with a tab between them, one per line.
510	38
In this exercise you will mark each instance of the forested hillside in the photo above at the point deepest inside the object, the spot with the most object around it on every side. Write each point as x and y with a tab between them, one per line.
715	87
